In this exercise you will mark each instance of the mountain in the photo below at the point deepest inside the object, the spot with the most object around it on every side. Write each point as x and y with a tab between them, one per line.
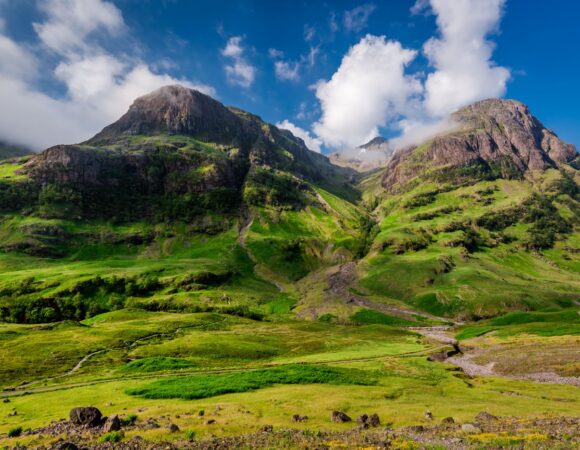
493	139
177	142
189	192
374	154
8	151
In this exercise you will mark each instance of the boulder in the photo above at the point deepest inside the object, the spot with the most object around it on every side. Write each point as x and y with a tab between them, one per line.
299	418
173	428
64	446
485	417
112	423
448	421
374	420
428	415
340	417
470	428
86	415
267	429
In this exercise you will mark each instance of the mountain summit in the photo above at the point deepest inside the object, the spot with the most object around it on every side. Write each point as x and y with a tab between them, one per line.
498	138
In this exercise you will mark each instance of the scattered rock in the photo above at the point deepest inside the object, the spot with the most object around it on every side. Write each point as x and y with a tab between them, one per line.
448	421
112	423
13	413
87	415
470	428
267	429
416	429
210	421
151	424
340	417
485	417
299	418
65	446
108	404
173	428
428	415
362	419
6	400
374	420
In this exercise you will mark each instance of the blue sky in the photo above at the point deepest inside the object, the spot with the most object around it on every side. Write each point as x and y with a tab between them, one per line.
320	68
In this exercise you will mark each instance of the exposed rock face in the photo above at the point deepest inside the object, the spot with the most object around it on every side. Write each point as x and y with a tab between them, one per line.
372	155
87	415
175	110
496	136
112	423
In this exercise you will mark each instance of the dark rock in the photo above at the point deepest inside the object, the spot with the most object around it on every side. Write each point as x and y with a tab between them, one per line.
339	417
210	421
362	419
448	421
112	423
267	429
428	415
485	417
6	400
416	429
299	418
87	415
173	428
374	420
64	446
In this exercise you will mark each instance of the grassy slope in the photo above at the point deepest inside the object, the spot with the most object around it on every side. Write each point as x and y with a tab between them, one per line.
491	280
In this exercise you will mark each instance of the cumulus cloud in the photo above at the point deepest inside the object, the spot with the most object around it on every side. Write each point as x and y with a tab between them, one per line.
99	86
461	56
239	71
69	22
311	142
369	89
357	18
372	88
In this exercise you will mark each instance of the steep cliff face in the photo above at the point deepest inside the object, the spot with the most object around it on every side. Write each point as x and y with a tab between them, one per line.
498	138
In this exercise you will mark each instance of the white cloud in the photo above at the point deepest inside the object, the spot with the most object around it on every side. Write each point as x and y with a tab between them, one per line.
311	142
371	89
357	18
464	71
287	70
99	86
69	22
368	90
239	71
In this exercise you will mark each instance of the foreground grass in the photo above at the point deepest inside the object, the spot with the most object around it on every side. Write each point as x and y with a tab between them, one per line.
203	386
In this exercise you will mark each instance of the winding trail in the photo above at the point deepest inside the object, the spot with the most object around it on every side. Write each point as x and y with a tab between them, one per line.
340	281
125	346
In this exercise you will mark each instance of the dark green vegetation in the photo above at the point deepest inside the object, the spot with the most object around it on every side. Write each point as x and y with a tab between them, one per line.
199	386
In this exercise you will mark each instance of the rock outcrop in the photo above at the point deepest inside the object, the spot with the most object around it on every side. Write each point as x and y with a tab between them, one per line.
493	138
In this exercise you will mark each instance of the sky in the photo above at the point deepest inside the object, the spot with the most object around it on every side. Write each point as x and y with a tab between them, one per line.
335	73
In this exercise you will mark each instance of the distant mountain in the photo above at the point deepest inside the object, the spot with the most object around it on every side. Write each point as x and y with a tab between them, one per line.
372	155
495	139
8	151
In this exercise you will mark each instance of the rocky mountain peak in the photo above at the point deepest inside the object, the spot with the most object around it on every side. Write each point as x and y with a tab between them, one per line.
174	110
372	155
495	137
